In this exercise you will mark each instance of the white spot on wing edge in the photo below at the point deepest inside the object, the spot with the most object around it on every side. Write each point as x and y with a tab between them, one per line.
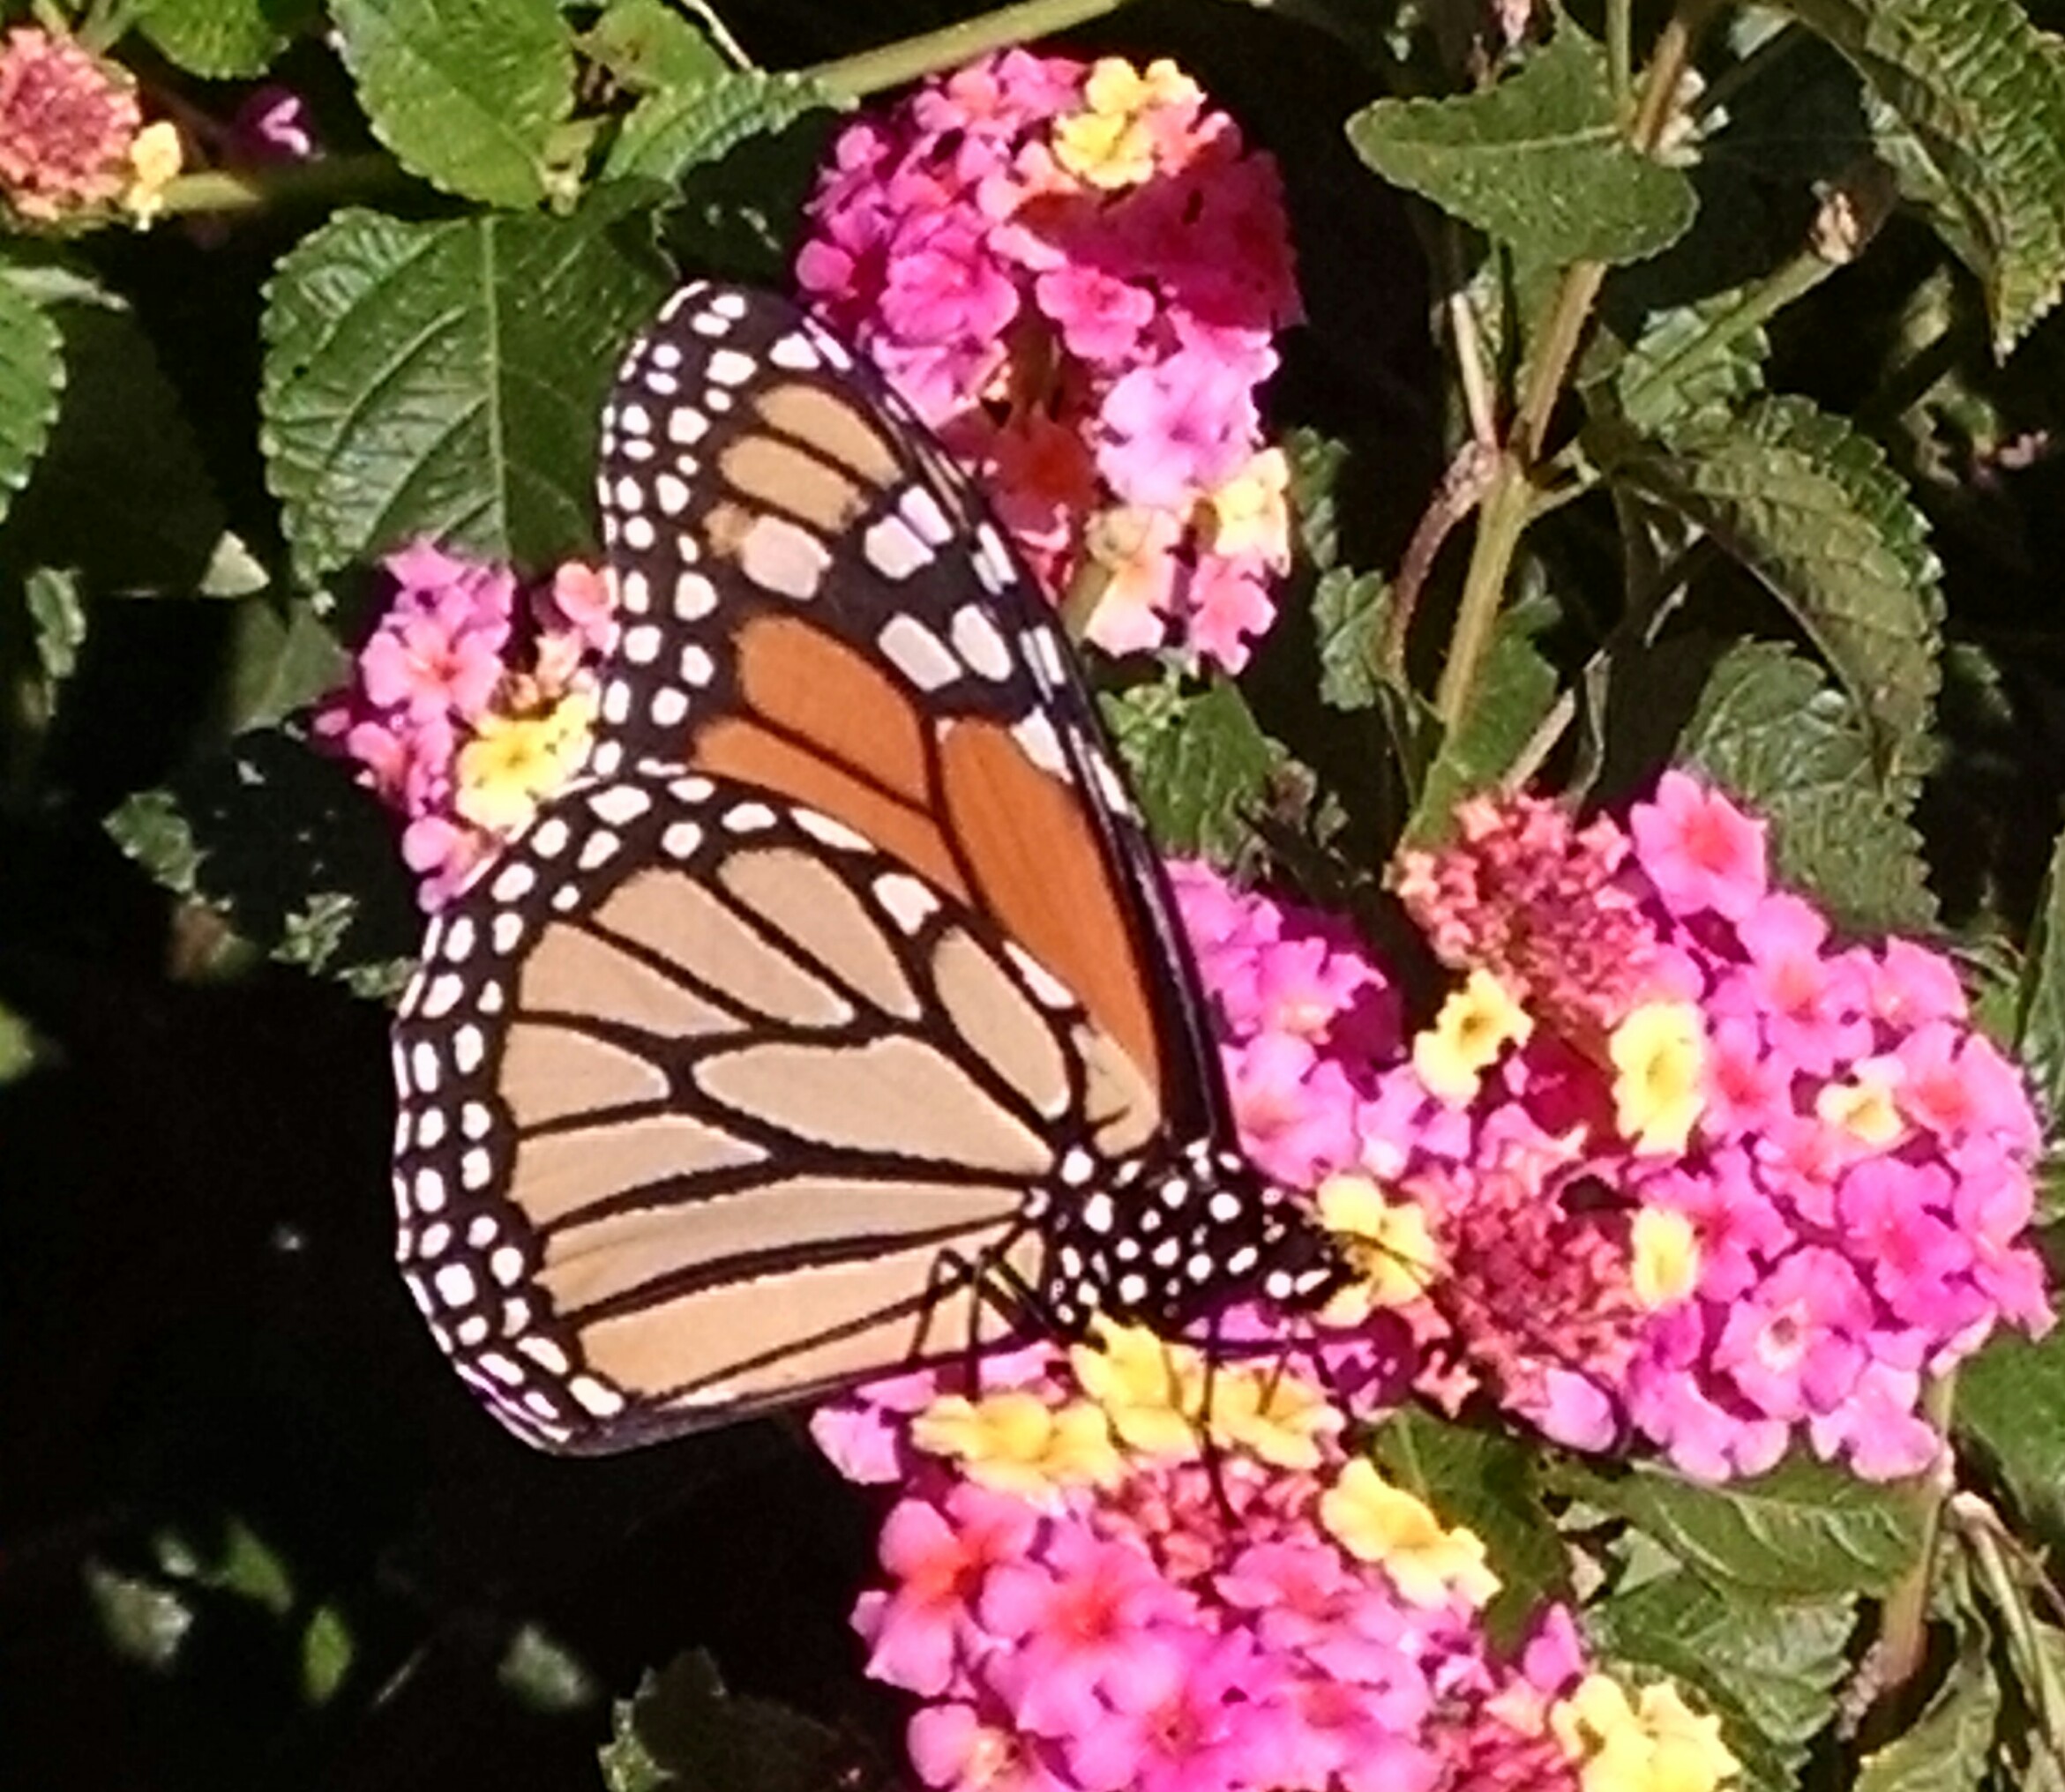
917	653
784	557
894	549
980	642
908	900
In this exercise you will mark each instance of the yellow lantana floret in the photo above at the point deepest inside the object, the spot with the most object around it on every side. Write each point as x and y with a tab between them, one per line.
1102	152
1666	1262
1659	1055
1250	513
1275	1416
1866	1107
154	158
1115	87
1152	1391
1377	1522
513	762
1657	1745
1107	144
1476	1024
1387	1243
1014	1442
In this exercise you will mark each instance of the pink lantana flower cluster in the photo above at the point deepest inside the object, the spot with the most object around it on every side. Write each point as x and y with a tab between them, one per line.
471	703
1669	1163
1083	1603
1074	272
72	136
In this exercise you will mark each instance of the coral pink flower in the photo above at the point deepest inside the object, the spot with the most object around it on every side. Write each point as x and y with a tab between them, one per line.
67	123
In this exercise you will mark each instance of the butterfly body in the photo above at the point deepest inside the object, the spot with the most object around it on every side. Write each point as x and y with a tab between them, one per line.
838	1020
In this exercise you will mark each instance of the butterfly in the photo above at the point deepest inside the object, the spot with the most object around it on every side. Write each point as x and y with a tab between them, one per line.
839	1019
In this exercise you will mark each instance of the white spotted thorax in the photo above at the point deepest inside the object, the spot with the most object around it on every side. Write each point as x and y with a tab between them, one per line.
840	1017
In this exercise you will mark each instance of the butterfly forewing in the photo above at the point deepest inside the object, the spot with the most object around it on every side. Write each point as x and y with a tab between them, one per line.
814	599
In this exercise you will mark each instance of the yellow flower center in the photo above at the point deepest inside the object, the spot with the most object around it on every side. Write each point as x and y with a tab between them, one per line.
1475	1024
1659	1055
1377	1522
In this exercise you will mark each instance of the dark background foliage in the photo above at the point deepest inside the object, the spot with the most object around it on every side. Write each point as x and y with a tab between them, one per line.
252	1533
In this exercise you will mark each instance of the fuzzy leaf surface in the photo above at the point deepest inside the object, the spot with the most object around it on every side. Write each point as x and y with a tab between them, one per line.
32	377
1768	1671
468	93
446	380
224	40
1540	161
1200	762
1808	505
1978	99
1803	1531
685	125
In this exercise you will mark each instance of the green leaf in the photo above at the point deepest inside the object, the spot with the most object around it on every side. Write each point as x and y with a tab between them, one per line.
1678	372
1350	611
21	1051
2011	1412
59	619
1808	504
281	658
1951	1746
647	46
740	217
327	1652
1802	1532
224	40
1540	161
32	375
143	1620
446	381
121	493
470	94
1768	1671
1315	462
684	1733
680	128
1770	730
297	859
1516	689
2039	1019
240	1563
546	1675
1980	98
1489	1484
1200	764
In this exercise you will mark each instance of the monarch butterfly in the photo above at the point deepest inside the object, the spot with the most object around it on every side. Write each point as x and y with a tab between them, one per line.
844	996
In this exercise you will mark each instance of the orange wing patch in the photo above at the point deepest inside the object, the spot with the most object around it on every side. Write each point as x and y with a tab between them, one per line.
1041	871
824	727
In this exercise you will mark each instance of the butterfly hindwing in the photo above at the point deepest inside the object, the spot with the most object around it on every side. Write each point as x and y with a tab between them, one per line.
707	1104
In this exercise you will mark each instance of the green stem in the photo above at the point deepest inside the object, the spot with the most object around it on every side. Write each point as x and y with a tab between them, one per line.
1507	503
1500	524
248	189
895	64
1620	51
1903	1620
